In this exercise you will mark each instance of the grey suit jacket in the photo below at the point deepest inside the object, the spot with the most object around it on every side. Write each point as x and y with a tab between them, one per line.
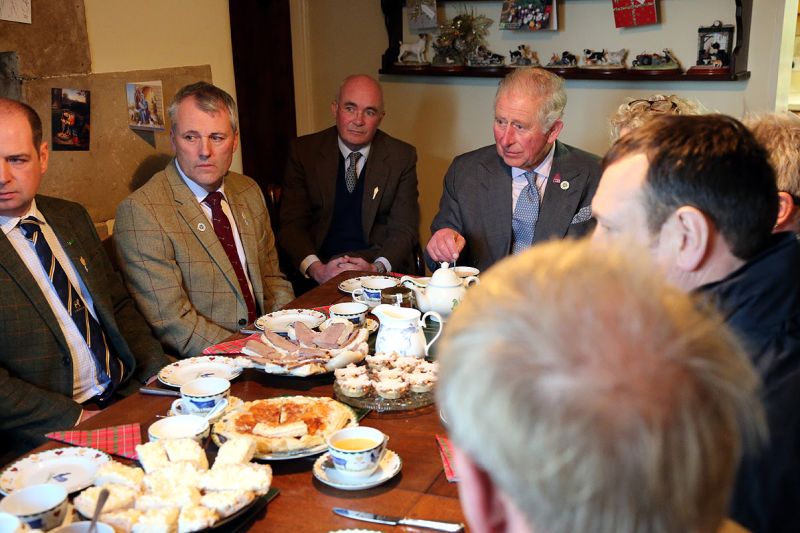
390	216
177	270
476	202
35	363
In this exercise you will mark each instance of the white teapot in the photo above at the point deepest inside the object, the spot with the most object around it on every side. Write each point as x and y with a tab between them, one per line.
443	292
401	330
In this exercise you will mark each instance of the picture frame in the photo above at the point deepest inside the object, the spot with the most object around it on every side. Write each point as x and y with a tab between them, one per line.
714	45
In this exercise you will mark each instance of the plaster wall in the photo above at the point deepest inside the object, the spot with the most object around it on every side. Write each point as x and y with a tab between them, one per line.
444	117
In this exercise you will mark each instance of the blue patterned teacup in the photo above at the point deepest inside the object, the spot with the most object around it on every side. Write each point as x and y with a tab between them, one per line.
357	451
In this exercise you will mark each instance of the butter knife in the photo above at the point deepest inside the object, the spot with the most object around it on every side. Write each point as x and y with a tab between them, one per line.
159	392
396	521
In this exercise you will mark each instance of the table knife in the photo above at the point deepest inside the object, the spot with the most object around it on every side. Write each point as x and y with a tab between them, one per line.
159	392
396	521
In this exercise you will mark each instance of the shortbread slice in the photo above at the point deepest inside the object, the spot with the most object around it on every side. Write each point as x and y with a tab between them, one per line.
196	518
174	497
227	502
186	450
122	520
252	476
236	450
164	520
179	474
119	497
119	474
152	456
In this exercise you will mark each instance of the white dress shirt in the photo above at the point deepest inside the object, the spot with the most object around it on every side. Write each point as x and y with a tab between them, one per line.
85	377
542	174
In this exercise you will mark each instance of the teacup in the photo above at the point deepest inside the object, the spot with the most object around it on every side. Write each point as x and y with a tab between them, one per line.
10	524
370	291
179	427
357	451
201	395
465	271
355	312
401	296
39	506
83	527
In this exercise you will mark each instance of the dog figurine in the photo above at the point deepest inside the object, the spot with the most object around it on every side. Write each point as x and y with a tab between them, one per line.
418	49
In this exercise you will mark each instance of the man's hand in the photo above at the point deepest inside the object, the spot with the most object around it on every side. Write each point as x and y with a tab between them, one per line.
445	245
322	272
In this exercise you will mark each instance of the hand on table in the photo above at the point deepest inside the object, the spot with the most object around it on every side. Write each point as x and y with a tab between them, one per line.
322	272
445	245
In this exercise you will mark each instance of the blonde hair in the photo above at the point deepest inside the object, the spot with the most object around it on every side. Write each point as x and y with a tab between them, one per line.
537	84
632	115
597	397
779	134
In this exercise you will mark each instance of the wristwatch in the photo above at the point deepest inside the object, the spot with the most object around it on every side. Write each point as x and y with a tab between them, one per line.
380	267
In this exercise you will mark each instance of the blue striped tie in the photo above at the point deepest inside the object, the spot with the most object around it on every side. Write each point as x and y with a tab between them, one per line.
92	332
526	213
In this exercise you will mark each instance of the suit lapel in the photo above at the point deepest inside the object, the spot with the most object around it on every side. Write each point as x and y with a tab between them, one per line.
496	180
201	227
377	172
559	204
19	273
246	227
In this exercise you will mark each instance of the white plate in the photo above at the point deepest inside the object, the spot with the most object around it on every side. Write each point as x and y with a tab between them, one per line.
388	468
186	370
349	285
279	321
73	468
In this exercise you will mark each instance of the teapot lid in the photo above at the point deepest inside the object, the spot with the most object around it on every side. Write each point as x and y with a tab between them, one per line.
445	276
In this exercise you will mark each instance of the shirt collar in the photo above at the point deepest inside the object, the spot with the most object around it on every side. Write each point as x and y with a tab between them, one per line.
345	151
198	192
542	170
9	223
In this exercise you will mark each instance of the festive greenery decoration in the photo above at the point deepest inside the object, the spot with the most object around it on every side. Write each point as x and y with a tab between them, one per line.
460	37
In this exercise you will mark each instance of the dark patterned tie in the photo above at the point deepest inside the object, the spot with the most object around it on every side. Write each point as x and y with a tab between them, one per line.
222	227
108	364
351	174
526	213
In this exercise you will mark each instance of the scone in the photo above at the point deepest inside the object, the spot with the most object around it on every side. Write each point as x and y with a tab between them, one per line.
236	450
152	456
391	389
422	381
122	521
425	366
164	520
195	518
381	360
227	502
407	363
119	474
252	477
355	386
119	497
180	474
389	374
350	371
186	450
174	497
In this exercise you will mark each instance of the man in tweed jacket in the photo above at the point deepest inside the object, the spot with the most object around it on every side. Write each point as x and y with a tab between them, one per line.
175	265
43	385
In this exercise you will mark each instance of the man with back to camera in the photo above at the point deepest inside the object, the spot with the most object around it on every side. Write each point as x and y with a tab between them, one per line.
527	188
699	192
195	242
71	337
626	416
349	200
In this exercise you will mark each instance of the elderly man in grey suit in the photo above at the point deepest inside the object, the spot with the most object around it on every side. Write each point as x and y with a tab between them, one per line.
525	189
71	338
195	243
350	192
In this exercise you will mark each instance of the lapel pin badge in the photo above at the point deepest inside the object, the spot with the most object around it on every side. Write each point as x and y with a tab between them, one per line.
83	262
564	185
557	178
375	192
201	226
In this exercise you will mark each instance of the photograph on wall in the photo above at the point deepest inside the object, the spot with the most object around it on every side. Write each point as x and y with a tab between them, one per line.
145	105
421	15
70	119
530	15
714	45
16	10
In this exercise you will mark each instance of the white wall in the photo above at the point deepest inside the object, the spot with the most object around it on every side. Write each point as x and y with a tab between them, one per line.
150	34
443	117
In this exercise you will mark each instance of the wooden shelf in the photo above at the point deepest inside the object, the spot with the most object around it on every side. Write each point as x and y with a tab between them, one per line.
393	17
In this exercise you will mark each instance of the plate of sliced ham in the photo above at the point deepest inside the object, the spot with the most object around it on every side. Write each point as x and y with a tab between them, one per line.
281	321
306	351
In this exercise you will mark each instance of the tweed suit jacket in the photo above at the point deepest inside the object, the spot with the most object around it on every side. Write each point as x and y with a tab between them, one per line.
35	363
178	272
476	202
389	213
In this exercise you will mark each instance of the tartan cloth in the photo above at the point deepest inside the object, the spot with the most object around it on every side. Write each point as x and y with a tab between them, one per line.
628	13
116	440
446	453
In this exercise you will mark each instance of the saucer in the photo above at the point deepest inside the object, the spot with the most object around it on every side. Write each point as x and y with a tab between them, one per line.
233	403
388	468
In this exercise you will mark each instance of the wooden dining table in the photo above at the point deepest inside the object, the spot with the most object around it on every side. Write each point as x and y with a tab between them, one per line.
420	490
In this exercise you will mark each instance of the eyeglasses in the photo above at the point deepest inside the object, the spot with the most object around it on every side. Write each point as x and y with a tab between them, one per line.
658	106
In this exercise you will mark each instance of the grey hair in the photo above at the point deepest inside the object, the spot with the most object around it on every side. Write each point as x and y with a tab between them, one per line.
209	98
779	134
631	117
537	84
595	396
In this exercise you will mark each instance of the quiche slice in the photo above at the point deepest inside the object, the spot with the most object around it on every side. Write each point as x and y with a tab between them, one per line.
285	424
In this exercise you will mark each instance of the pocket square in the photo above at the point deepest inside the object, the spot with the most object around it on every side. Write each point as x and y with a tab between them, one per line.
584	214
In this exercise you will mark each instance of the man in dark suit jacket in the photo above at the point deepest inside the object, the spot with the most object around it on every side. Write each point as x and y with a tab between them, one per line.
44	381
478	222
341	211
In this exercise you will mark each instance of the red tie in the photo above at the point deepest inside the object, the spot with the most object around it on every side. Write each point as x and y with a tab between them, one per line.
222	227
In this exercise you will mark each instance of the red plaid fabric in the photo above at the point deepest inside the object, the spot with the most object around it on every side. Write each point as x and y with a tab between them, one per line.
117	440
628	13
231	347
446	451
